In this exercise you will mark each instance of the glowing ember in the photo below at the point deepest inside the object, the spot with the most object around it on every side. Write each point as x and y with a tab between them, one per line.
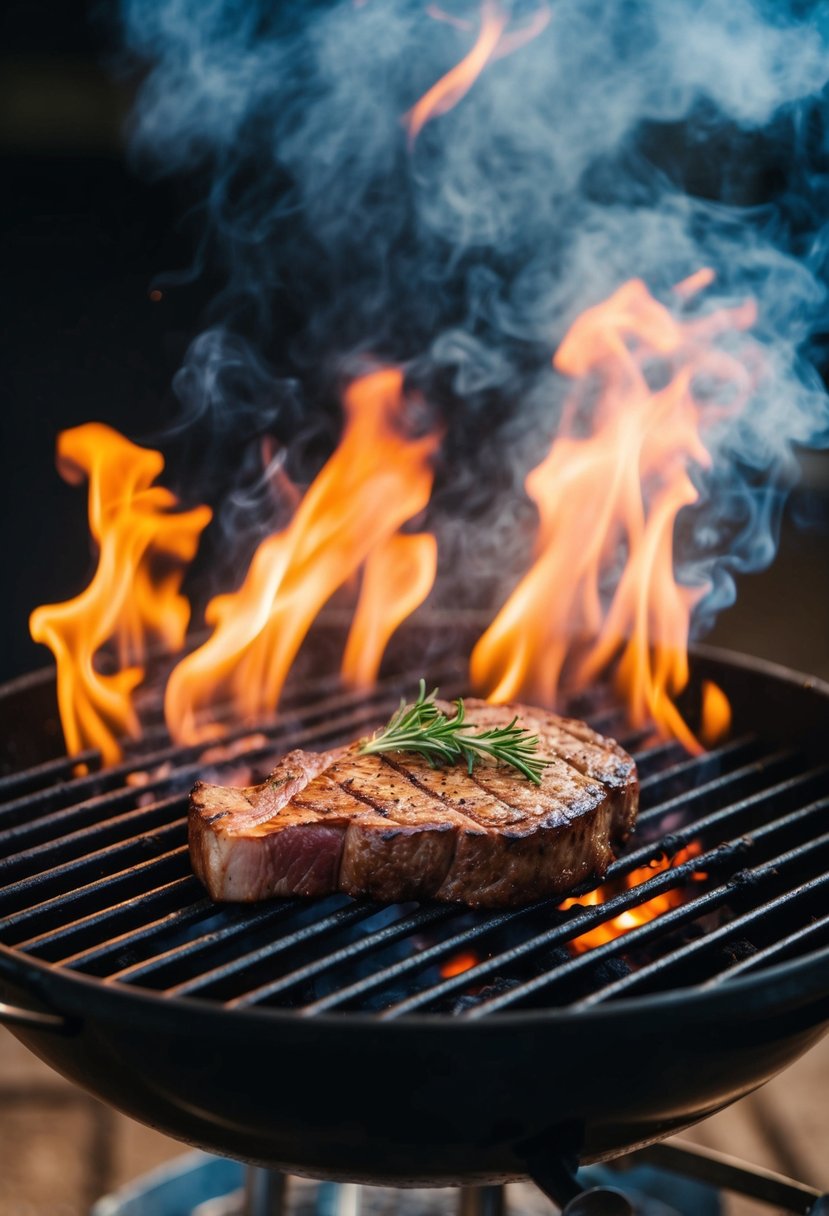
458	964
378	478
602	586
493	42
143	543
634	917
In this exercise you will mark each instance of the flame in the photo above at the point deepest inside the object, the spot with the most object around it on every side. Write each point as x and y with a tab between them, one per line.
642	913
143	544
609	492
458	963
646	384
378	478
493	42
716	713
397	577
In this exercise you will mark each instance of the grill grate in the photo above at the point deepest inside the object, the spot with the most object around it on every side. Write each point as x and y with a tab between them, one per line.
95	878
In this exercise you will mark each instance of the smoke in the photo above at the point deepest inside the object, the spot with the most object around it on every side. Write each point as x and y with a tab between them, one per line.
637	138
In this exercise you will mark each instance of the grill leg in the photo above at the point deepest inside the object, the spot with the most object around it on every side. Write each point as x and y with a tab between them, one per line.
264	1192
600	1201
482	1201
339	1199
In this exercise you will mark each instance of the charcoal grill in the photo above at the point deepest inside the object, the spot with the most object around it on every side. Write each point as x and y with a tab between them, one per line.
331	1038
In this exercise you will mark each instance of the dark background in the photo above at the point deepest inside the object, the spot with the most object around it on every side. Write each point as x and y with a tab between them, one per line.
84	241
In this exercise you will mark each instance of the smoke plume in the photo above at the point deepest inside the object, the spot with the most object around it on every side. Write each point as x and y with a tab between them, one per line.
637	138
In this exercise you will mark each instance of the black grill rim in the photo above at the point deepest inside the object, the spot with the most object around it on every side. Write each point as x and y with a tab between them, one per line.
788	984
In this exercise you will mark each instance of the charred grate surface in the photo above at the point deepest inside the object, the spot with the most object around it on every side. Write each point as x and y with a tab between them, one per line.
95	878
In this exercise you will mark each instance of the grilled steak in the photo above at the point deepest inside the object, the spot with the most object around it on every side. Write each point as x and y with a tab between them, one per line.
392	828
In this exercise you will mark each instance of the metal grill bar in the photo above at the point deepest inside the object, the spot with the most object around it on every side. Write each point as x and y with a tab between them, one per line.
99	961
627	862
639	857
46	774
723	855
163	817
248	922
314	723
174	898
39	844
559	935
296	698
813	935
662	924
416	962
699	766
728	819
91	819
45	862
340	919
718	785
26	814
641	936
657	752
416	921
386	976
99	881
607	720
167	823
86	820
123	884
746	920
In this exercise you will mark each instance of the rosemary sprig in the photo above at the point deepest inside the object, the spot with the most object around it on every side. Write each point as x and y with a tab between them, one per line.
424	728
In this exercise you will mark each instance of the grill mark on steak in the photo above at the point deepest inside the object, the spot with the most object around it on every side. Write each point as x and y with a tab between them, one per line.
412	856
438	784
584	749
562	786
381	810
392	828
507	800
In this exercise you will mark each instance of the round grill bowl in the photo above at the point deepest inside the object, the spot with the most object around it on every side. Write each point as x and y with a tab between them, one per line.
438	1097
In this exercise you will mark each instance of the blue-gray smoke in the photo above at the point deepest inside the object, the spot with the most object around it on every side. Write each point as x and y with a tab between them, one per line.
630	138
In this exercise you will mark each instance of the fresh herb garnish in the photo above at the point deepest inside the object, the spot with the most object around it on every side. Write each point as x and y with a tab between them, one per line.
424	728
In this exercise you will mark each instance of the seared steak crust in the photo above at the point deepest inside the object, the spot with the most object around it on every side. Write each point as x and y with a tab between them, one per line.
392	828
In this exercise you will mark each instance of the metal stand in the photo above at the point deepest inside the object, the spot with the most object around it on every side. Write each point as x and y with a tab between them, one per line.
481	1201
265	1192
600	1201
339	1199
720	1170
556	1177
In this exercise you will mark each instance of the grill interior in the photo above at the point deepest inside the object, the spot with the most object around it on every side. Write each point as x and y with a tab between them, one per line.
95	878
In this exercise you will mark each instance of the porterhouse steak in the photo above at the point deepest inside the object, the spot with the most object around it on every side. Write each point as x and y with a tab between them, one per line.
392	828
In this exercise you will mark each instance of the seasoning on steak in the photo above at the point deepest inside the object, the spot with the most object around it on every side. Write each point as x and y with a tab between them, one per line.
392	828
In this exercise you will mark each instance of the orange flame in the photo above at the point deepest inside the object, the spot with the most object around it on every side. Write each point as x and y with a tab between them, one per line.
634	917
143	544
612	496
716	713
378	478
398	576
493	42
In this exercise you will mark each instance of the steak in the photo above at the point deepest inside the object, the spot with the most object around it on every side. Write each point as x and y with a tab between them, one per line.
391	828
